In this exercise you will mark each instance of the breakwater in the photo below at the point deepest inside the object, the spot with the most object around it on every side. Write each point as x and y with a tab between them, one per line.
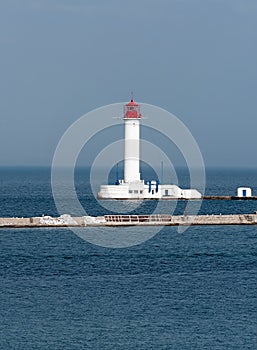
128	220
229	198
170	198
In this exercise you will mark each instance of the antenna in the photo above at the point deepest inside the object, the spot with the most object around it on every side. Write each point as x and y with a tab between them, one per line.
117	174
132	96
162	172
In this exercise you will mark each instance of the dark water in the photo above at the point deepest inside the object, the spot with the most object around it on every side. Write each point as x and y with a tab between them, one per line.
191	290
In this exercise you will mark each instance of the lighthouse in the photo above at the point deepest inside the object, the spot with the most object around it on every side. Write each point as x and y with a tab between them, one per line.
133	186
131	119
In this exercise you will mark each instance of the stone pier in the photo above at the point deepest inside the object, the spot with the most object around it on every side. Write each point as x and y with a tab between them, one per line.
128	220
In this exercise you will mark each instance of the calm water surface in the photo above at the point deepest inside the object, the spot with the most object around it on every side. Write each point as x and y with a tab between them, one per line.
191	290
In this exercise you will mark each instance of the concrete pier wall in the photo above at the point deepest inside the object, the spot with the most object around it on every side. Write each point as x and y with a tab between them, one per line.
128	220
169	220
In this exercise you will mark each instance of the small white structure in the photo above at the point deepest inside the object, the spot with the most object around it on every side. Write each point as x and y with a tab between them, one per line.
132	187
244	192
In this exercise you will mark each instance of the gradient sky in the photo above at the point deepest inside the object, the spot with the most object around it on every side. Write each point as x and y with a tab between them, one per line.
62	58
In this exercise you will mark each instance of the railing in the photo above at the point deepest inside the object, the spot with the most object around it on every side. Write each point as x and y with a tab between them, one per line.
138	218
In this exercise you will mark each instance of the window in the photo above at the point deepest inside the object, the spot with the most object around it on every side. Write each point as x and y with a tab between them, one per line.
130	191
141	192
136	191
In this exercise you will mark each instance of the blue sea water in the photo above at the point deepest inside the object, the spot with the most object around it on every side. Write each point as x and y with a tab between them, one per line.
190	290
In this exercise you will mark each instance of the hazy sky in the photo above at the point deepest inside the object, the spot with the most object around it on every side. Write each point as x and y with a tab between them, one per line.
62	58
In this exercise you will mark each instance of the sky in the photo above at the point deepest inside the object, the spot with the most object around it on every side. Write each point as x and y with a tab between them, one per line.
59	59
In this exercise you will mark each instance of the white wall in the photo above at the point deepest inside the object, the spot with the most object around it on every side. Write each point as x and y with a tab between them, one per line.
244	192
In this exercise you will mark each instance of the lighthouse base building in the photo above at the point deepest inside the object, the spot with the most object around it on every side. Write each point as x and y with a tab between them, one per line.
132	186
146	191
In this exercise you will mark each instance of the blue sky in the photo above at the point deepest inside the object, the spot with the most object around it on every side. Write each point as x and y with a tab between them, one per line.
195	58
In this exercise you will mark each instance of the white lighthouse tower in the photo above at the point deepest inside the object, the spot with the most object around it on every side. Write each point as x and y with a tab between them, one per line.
131	119
132	186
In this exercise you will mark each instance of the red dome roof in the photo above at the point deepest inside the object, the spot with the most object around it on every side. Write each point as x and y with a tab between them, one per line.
132	103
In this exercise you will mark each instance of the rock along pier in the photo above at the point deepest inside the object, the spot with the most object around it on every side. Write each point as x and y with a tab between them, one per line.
128	220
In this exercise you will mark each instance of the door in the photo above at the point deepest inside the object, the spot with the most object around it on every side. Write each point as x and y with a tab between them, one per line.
244	193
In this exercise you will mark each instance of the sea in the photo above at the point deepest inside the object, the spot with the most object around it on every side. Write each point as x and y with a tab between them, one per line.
174	289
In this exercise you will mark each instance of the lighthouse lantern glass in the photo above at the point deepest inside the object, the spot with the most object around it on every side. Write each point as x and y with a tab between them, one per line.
132	111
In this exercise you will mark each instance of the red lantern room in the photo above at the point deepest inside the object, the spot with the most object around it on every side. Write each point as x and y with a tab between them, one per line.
132	110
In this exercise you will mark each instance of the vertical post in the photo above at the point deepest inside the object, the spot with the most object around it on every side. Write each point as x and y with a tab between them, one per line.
162	172
117	174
